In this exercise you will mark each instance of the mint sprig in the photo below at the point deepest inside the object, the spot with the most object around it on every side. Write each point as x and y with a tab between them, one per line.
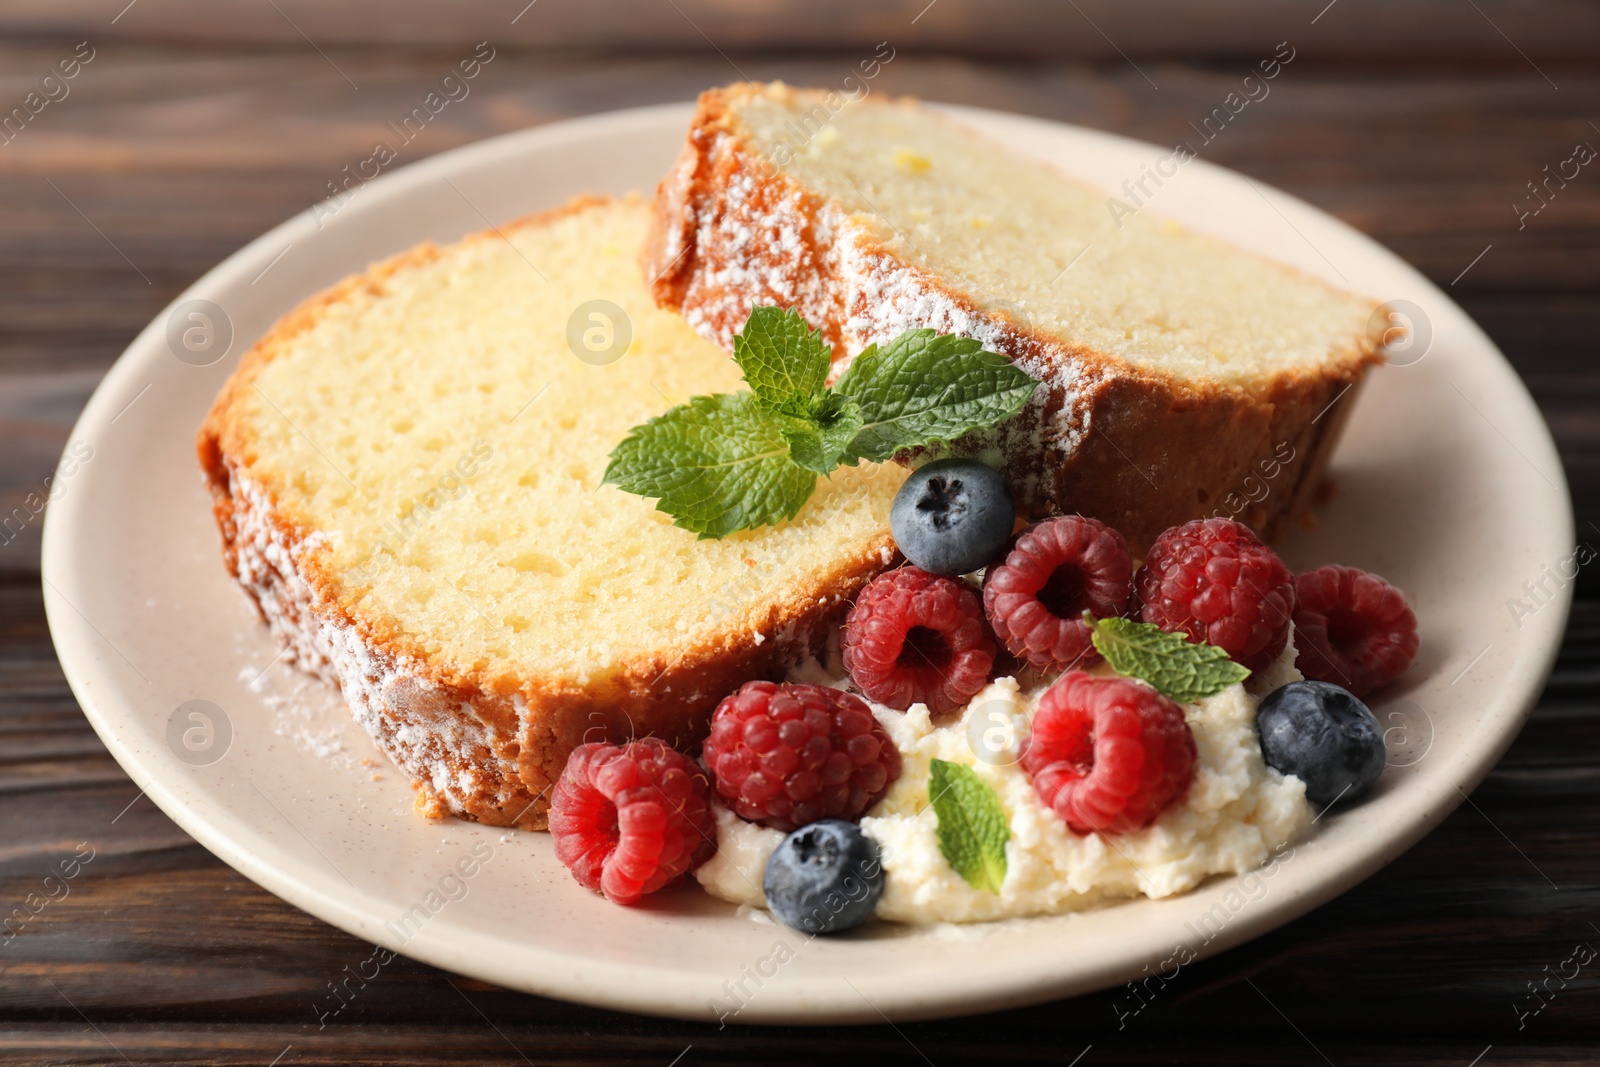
785	367
718	464
1178	668
972	831
736	461
923	387
820	442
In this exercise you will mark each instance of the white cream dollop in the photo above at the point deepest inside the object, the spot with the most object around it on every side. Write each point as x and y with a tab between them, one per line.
1236	813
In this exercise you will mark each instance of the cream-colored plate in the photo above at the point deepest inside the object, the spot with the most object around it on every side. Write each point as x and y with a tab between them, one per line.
1449	485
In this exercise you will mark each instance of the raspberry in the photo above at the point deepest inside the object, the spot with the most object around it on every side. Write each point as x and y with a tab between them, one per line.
788	755
1055	571
1352	629
1213	580
629	819
1108	754
918	638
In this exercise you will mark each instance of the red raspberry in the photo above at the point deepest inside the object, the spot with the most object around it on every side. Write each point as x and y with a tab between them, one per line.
918	638
627	820
788	755
1213	580
1056	570
1108	754
1352	629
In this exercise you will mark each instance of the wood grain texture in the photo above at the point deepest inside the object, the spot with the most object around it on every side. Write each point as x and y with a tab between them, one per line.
1491	32
167	156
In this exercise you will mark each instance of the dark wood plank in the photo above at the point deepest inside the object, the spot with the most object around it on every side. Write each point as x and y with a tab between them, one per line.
1498	32
117	1046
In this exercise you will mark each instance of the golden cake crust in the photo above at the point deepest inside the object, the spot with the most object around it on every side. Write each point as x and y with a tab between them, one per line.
1141	451
480	744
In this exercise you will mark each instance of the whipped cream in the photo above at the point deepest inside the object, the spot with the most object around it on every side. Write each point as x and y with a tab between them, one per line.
1236	813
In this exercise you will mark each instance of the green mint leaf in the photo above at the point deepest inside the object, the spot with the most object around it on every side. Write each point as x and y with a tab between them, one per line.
785	362
922	388
717	464
972	830
738	461
1179	668
818	443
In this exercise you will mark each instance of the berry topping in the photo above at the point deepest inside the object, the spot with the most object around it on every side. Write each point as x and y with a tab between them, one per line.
1057	570
1108	754
629	819
824	878
1352	629
1323	735
788	755
952	516
1214	581
918	638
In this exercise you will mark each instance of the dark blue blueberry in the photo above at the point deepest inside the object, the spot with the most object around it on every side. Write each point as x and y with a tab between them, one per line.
952	516
825	877
1323	735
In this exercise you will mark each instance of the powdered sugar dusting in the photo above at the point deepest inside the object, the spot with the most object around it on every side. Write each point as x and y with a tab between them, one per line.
302	706
777	249
446	745
750	235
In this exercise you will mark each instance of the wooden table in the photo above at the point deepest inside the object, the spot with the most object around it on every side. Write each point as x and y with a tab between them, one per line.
165	157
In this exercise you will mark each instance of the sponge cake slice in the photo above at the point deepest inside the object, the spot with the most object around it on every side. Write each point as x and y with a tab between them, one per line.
1178	372
406	472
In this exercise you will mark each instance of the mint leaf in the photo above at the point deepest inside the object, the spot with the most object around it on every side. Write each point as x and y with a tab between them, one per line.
922	388
972	830
1179	668
785	362
717	464
818	443
738	461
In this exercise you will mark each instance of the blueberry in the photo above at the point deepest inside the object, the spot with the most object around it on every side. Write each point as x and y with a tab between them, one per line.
826	877
952	516
1323	735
